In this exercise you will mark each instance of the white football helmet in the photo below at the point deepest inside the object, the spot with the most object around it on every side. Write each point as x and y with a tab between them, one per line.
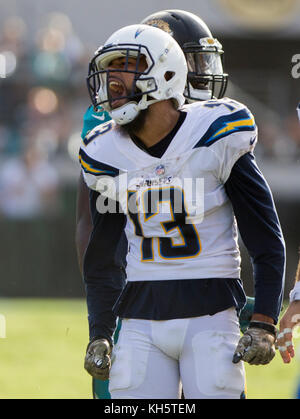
164	78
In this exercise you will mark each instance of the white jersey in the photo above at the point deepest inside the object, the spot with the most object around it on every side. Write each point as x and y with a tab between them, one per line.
180	222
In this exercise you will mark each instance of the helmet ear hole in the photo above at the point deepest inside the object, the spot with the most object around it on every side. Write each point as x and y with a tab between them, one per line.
169	75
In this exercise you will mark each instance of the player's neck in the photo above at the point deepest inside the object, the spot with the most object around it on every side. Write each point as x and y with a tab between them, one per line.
160	120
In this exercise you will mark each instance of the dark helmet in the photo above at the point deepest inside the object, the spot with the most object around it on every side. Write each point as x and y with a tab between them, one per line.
203	53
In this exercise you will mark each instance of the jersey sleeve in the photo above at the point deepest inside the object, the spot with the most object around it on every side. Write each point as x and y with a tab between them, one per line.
104	269
92	168
260	230
230	136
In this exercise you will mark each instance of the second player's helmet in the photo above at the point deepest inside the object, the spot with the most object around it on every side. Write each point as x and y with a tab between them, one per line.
163	78
203	53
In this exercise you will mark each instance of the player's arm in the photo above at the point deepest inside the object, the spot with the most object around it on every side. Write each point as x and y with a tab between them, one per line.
83	221
104	269
260	230
233	136
104	278
290	319
103	272
261	233
104	262
102	266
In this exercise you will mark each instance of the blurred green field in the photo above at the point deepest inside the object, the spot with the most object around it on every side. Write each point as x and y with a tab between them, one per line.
42	355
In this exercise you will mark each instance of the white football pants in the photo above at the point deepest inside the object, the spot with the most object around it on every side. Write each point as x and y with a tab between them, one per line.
153	358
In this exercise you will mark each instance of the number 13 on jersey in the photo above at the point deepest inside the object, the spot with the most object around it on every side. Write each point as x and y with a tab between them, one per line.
160	216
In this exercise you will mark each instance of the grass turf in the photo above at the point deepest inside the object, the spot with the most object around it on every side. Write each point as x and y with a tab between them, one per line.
42	355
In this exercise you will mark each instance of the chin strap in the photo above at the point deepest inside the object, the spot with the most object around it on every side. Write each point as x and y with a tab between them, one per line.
125	114
128	112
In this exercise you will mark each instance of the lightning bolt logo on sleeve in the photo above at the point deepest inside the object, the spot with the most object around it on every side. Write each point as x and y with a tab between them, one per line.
226	125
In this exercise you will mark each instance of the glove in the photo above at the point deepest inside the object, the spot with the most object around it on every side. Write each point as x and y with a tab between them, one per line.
246	314
97	360
257	346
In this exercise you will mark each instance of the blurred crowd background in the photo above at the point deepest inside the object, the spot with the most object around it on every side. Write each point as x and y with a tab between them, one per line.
45	48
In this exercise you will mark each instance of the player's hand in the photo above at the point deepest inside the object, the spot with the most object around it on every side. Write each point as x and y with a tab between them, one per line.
97	360
257	346
290	319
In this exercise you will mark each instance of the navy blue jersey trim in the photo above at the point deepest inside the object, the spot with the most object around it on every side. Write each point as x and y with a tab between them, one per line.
179	299
226	125
260	231
95	167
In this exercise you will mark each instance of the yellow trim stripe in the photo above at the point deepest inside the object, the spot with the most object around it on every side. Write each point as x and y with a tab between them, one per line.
89	169
230	126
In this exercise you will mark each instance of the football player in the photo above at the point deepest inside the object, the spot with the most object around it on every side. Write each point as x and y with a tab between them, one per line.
206	80
180	302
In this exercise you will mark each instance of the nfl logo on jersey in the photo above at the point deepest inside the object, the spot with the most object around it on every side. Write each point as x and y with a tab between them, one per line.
160	170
